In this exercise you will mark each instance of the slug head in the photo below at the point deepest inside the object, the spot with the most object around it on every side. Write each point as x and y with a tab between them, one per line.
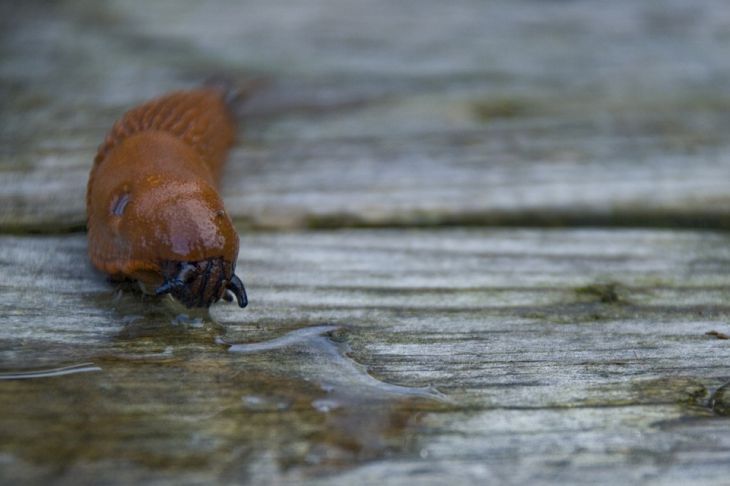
155	216
189	236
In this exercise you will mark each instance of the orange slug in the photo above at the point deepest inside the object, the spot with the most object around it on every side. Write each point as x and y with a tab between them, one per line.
154	214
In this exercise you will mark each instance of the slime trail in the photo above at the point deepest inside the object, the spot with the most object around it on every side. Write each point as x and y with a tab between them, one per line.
49	373
322	359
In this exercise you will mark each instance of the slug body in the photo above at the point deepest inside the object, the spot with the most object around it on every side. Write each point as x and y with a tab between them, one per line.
154	212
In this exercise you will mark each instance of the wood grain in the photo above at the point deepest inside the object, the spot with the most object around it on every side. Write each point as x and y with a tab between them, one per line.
427	126
560	354
422	347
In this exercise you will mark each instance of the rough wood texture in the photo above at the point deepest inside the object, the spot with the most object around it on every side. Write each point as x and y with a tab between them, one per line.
379	114
527	355
376	356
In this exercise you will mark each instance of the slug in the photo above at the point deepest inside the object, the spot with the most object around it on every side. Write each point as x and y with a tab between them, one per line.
154	214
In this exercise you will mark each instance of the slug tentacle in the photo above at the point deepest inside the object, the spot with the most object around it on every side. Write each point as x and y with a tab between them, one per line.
201	283
167	287
236	287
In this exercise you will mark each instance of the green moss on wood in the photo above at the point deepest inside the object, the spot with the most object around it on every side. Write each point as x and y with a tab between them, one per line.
606	293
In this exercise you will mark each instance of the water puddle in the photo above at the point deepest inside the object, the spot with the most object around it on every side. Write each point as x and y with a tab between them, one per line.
174	395
355	416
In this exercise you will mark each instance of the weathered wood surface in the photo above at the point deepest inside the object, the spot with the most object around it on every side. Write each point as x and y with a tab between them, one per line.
383	356
559	355
377	114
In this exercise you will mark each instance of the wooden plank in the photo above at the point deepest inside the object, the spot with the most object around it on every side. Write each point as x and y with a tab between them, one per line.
442	355
400	133
470	355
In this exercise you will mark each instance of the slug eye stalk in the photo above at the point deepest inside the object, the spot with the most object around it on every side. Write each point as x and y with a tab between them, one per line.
167	287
